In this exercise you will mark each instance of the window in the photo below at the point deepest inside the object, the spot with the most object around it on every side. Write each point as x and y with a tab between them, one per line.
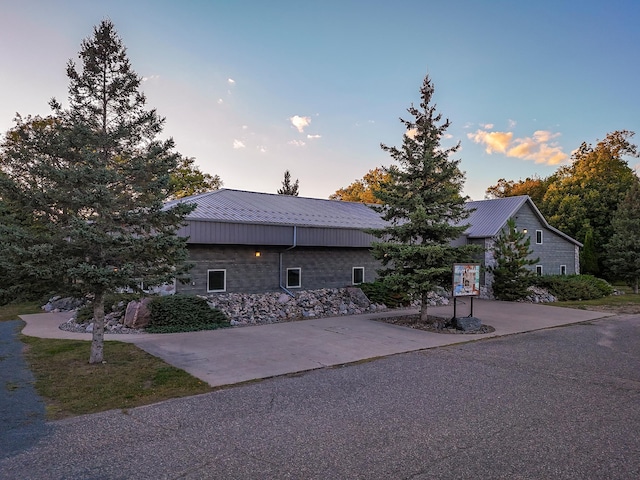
538	236
357	275
563	269
294	278
539	270
216	280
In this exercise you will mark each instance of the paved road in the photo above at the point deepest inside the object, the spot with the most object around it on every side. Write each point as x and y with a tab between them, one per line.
22	412
561	403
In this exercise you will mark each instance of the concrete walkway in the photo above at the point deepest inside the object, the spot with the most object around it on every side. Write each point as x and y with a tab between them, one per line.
235	355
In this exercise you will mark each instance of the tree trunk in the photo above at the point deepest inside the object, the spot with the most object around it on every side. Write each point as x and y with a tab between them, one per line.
97	342
635	287
424	317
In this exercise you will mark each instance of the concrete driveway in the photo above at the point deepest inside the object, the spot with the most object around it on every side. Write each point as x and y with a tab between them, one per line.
235	355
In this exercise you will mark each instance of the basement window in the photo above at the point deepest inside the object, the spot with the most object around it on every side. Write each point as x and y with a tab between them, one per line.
357	277
294	277
216	280
563	269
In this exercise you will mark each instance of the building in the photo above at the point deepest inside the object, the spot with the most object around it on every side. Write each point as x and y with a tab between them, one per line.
253	242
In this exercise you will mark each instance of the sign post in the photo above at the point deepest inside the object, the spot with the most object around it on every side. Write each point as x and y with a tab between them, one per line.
466	283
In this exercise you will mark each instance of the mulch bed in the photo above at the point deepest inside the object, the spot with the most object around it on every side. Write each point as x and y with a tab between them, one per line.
413	321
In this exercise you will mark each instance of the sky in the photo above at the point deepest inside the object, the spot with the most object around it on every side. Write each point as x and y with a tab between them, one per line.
252	88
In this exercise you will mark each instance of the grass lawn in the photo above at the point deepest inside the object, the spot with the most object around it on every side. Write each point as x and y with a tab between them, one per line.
71	386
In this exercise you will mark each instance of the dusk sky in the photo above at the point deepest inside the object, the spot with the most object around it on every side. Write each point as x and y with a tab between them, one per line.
252	88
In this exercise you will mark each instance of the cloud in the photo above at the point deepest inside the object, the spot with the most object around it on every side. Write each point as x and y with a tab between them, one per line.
300	122
313	137
540	147
493	141
231	81
297	143
487	126
262	148
220	101
237	144
512	124
150	77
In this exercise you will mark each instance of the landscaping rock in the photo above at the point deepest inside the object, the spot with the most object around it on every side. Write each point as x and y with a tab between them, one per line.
467	323
138	314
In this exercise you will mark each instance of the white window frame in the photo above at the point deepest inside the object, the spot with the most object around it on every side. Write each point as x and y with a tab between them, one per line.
299	277
563	269
539	270
541	237
224	271
353	275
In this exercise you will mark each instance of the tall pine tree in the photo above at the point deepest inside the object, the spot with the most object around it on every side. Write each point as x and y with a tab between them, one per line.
422	202
95	176
623	250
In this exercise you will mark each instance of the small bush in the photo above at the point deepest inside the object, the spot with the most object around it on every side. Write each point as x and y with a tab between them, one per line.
378	292
183	313
574	287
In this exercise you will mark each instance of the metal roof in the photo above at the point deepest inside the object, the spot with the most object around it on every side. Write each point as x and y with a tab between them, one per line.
487	217
238	206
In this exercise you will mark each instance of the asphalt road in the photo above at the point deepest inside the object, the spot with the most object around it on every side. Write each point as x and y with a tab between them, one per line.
562	403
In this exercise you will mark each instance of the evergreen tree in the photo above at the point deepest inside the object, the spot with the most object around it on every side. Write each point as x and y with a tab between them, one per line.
94	177
423	205
287	187
623	250
588	255
510	273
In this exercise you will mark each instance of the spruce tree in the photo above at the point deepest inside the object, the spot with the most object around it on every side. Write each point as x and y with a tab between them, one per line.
289	188
623	250
95	176
422	202
511	250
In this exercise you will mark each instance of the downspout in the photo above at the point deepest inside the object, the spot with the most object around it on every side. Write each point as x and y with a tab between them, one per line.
295	244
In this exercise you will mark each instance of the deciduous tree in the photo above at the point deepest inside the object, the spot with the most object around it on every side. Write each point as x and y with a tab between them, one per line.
423	205
363	190
187	180
94	177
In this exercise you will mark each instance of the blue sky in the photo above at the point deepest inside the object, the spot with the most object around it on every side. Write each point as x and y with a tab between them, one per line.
252	88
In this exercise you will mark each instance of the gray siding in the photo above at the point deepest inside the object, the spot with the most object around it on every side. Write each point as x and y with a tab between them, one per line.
217	233
554	250
320	267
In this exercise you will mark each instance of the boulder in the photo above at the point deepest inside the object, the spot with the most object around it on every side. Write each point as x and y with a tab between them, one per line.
467	324
138	314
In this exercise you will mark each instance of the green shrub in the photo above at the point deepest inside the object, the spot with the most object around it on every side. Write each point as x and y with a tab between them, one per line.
378	292
574	287
183	313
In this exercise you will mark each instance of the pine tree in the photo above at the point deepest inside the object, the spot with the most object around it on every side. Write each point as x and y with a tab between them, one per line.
287	187
94	177
512	252
623	250
422	203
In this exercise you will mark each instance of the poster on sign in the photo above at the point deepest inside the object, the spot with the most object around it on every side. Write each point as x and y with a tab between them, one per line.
466	279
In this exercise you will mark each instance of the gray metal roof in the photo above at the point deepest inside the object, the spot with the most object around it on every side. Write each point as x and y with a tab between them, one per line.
238	206
487	218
